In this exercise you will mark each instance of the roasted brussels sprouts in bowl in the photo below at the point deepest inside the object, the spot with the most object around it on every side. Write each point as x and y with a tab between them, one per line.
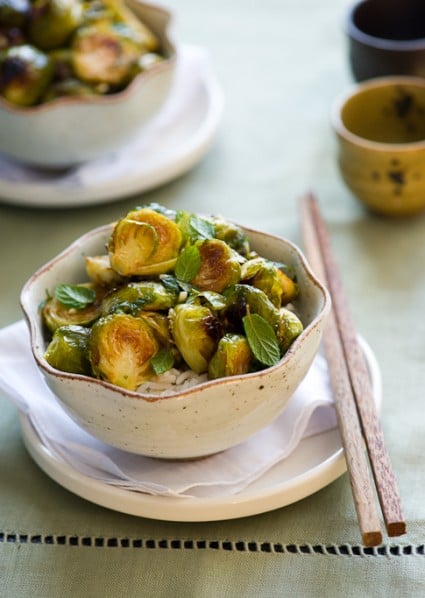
175	335
79	78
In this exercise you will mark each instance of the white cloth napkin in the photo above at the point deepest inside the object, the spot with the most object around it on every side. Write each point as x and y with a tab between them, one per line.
309	412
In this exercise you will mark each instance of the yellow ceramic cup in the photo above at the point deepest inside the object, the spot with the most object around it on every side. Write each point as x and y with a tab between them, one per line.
380	127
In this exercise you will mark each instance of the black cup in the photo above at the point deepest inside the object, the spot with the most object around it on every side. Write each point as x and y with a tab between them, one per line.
386	37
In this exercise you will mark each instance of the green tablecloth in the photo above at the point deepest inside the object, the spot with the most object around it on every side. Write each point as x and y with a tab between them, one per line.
281	64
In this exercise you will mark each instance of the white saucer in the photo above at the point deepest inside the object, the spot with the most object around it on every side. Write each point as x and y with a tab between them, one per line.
172	144
316	462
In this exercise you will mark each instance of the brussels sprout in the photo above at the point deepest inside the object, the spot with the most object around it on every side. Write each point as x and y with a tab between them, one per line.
68	350
159	325
101	54
289	327
56	313
196	332
13	13
219	267
100	272
52	22
68	88
231	234
144	243
137	296
140	32
25	73
242	299
264	275
289	288
233	357
120	349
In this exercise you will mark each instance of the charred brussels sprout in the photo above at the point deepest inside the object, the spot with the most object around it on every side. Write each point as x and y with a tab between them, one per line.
264	275
105	53
137	296
219	266
25	73
289	327
231	234
52	22
100	271
68	350
120	349
233	357
289	287
144	243
68	88
196	332
64	308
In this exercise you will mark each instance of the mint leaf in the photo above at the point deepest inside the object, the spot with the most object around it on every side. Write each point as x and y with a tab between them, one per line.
188	263
203	228
261	339
74	296
162	361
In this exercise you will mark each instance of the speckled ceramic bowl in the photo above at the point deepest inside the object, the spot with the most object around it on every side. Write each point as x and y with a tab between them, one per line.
202	420
380	127
72	130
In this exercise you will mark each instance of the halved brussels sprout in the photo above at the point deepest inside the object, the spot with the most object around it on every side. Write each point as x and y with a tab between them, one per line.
264	275
144	243
289	327
68	88
231	234
53	22
57	314
105	53
233	357
137	296
68	350
196	332
100	271
219	268
124	16
120	349
25	73
290	288
242	299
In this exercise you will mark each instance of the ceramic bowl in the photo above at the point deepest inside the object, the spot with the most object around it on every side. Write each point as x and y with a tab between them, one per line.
72	130
380	128
199	421
386	38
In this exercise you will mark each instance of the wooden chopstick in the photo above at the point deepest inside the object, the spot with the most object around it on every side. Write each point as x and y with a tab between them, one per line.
353	394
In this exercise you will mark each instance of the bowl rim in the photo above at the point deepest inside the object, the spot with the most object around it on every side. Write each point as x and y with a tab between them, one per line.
381	43
35	331
139	81
357	89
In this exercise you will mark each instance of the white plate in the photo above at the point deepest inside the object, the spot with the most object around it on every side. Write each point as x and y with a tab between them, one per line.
173	143
316	462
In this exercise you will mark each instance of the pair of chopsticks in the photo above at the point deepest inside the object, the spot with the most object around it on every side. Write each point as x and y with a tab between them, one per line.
359	424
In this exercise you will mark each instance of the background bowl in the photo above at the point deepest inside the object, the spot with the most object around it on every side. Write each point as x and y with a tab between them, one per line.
386	38
380	128
201	420
72	130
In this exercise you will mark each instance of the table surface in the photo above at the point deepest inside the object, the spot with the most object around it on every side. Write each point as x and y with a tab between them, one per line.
281	65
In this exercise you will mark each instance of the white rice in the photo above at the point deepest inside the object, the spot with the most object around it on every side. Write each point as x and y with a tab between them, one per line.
172	381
